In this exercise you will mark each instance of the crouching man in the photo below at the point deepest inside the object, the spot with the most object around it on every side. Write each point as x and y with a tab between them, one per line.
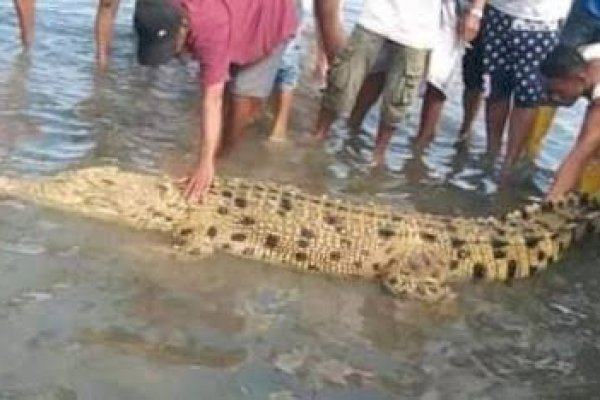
573	73
239	45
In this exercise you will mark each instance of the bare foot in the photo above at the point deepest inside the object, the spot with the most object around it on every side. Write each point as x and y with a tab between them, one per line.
277	138
310	139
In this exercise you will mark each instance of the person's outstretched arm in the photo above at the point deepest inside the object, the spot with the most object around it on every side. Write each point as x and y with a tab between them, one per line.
212	119
26	15
587	146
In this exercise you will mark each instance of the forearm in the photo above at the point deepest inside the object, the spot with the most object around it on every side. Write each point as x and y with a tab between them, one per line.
327	13
586	147
212	121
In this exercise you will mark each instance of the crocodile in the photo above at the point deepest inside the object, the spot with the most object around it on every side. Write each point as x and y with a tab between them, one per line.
412	254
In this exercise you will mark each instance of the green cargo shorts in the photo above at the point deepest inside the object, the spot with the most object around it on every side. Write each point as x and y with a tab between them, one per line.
362	55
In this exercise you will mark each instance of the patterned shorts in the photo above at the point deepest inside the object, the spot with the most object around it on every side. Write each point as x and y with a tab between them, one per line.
513	49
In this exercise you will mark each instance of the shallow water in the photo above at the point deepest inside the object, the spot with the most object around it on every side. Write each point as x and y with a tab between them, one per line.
91	311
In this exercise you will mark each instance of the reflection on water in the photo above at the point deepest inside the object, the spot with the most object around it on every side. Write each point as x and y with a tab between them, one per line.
89	310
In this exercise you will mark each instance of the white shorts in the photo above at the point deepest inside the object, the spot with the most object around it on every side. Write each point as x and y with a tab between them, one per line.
448	50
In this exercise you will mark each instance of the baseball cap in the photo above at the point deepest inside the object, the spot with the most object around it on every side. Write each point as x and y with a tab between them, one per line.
157	23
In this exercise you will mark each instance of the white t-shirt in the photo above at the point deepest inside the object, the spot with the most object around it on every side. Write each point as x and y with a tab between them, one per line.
591	52
536	10
413	23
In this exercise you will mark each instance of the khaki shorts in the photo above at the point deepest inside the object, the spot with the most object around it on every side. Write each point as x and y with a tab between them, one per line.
358	58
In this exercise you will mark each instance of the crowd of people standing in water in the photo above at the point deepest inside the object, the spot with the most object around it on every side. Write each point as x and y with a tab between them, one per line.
516	55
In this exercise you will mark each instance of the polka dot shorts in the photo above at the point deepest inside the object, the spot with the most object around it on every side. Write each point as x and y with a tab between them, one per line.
513	50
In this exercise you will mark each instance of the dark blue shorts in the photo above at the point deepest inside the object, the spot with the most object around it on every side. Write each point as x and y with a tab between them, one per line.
513	49
581	28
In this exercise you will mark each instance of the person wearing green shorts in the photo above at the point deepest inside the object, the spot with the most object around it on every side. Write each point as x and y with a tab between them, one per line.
392	37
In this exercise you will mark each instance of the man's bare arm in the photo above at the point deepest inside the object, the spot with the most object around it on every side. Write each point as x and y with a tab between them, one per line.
212	121
586	147
330	27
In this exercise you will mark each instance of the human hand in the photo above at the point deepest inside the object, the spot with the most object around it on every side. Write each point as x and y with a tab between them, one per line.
200	180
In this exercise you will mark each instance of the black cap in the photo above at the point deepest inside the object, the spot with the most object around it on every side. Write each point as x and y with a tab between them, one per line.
157	23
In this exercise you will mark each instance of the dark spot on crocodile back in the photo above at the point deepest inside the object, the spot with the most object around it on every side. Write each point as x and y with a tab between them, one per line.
498	243
511	272
386	233
541	256
271	241
500	254
238	237
532	242
301	256
211	232
285	204
331	219
227	194
479	271
456	243
313	267
453	265
335	256
186	231
248	221
240	202
307	233
303	243
428	237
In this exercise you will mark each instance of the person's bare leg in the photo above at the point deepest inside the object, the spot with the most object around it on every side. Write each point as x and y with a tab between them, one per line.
496	115
472	99
367	96
105	16
26	15
283	106
384	136
321	62
431	112
242	111
327	13
521	122
325	119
